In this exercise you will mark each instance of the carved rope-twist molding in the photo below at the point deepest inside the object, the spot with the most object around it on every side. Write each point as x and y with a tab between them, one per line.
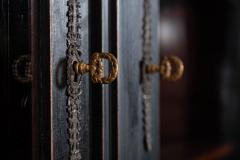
73	82
147	117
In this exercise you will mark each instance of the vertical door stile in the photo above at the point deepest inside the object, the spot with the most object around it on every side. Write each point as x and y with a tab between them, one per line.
113	88
96	90
105	88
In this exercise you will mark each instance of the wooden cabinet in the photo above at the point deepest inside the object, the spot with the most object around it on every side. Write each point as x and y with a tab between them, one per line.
111	114
193	118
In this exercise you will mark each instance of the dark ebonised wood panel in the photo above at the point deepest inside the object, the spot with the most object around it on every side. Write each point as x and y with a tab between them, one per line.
96	120
17	115
41	97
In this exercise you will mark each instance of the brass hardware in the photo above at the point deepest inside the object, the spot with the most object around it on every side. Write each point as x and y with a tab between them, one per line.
166	68
96	68
22	70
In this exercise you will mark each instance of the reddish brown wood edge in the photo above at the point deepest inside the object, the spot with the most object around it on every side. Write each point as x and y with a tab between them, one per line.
216	153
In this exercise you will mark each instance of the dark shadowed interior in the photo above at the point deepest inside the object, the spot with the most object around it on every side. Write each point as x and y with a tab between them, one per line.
200	113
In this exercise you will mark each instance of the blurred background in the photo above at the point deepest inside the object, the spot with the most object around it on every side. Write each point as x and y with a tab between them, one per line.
200	114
